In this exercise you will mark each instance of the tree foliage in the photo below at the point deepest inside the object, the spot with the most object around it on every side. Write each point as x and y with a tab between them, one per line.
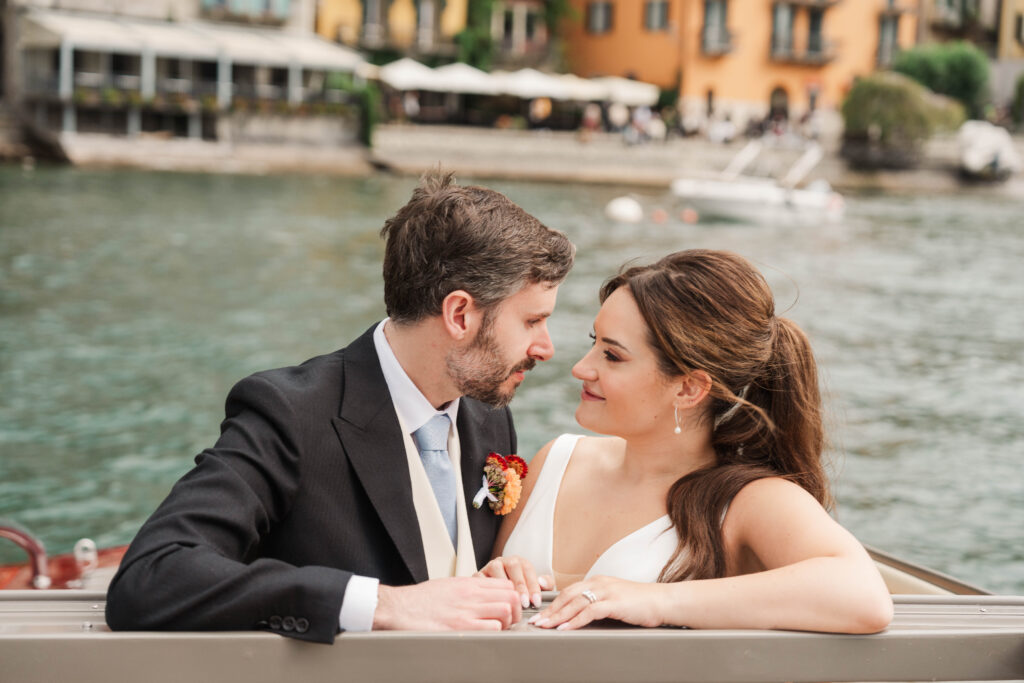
476	46
888	117
1017	108
959	70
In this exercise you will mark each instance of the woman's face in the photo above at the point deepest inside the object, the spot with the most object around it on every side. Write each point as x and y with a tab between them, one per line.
624	392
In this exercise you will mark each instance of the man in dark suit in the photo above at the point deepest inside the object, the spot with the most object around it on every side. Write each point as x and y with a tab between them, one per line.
322	507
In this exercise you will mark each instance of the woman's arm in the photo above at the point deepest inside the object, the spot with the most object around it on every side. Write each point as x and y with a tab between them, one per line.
791	566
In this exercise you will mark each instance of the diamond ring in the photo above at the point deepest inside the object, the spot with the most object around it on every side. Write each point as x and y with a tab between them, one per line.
589	595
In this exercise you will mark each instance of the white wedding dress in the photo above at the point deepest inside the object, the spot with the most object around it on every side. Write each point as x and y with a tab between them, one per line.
638	556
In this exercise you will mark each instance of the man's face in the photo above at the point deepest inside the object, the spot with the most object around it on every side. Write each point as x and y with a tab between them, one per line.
511	341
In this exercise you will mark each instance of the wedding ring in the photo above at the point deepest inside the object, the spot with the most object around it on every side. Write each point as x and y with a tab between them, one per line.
589	595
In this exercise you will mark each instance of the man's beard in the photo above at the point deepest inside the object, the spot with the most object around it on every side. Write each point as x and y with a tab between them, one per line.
479	371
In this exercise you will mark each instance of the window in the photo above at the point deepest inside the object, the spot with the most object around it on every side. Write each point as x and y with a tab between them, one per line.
656	15
815	44
425	24
782	29
888	33
715	36
599	17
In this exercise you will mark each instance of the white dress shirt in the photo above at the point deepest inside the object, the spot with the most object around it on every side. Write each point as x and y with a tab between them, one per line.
414	411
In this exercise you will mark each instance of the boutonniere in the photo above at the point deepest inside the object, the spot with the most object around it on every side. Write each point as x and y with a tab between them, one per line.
502	483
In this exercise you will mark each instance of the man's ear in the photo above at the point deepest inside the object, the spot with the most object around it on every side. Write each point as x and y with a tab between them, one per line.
460	315
693	387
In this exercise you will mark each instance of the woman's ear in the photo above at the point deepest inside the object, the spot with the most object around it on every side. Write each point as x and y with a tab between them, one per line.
461	316
693	387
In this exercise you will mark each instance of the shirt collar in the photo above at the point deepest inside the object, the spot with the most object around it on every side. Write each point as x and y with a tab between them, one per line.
411	405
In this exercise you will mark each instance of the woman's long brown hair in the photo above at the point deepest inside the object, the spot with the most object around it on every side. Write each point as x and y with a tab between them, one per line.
713	311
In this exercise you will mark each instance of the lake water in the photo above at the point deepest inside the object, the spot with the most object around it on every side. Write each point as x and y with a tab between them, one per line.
131	302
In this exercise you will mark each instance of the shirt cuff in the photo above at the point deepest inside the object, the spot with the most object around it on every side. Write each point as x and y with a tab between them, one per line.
359	604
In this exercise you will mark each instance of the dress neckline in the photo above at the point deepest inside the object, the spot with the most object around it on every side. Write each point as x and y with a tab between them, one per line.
663	520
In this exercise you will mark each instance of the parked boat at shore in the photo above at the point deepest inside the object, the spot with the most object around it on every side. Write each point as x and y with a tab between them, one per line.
736	196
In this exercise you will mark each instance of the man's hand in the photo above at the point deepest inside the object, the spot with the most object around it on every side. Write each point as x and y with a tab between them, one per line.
522	574
457	604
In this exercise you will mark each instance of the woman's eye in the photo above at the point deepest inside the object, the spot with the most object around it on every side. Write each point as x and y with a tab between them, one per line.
611	356
593	338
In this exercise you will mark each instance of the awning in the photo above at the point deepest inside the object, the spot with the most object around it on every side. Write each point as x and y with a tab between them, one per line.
197	40
463	78
408	74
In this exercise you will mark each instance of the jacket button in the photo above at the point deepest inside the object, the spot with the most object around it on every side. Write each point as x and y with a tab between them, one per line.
288	623
301	625
275	623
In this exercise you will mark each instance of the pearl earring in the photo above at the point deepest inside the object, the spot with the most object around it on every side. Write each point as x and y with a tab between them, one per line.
678	429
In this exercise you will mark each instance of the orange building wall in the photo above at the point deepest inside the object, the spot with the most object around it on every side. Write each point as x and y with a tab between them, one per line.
1009	48
746	75
628	49
343	20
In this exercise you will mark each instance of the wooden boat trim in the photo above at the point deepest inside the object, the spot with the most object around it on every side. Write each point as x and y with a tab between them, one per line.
919	579
53	636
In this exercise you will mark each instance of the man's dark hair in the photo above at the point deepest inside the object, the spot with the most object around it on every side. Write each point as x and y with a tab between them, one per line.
450	237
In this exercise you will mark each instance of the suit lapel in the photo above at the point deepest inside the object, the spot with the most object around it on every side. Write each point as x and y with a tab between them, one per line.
483	523
371	438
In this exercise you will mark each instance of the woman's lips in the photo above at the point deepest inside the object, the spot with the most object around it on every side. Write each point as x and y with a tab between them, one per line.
588	396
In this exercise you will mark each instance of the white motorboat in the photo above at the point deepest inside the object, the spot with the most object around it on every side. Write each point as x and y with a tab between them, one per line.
735	196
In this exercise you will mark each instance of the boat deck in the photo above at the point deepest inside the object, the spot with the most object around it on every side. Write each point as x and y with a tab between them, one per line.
62	635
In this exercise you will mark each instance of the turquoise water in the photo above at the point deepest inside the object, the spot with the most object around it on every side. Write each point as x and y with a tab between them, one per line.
131	302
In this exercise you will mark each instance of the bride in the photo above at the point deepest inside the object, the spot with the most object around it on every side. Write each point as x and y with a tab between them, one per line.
705	506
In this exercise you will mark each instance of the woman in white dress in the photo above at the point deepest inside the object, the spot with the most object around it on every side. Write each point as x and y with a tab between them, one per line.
706	506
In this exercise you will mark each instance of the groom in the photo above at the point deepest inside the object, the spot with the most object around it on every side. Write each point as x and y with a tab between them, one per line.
338	496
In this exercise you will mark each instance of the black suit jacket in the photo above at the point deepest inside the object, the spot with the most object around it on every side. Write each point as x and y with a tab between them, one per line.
307	485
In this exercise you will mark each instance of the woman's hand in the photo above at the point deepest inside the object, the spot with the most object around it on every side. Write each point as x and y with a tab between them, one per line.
521	573
604	597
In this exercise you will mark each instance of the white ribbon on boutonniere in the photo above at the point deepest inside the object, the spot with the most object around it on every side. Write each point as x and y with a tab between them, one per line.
484	492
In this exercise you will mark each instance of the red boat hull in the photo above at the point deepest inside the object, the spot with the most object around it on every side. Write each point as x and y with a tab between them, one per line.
64	571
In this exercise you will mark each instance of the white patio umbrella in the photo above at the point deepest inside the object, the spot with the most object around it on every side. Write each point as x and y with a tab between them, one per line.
530	83
463	78
408	74
629	92
583	89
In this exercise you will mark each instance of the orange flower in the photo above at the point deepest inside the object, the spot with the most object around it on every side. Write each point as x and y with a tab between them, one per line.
513	491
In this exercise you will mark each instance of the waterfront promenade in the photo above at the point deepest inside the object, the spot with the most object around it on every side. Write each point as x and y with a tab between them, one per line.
559	156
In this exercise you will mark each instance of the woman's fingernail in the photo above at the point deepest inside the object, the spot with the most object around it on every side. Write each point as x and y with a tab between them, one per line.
544	583
539	622
537	600
562	627
525	599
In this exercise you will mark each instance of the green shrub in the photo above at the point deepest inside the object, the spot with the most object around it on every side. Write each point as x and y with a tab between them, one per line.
888	117
959	70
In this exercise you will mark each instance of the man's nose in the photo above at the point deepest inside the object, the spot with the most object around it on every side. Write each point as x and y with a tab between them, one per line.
542	348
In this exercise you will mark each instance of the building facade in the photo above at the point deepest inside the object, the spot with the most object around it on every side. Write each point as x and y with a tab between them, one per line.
976	21
417	27
1009	64
203	69
740	59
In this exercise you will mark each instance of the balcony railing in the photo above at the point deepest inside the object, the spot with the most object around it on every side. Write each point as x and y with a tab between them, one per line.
817	53
716	42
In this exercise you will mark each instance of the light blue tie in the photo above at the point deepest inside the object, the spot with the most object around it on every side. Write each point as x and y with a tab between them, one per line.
432	440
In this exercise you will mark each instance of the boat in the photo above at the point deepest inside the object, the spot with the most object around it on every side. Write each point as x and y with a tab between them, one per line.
987	152
736	196
943	629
